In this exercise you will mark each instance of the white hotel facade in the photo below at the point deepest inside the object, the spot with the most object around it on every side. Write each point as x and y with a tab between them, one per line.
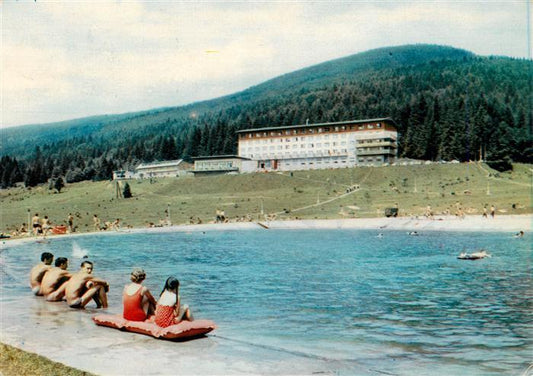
317	146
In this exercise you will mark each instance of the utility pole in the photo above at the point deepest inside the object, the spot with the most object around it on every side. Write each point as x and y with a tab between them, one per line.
30	229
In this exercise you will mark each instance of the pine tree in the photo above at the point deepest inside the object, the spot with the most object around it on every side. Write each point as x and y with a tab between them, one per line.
126	193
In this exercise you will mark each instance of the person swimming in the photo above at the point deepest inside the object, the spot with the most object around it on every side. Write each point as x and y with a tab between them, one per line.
519	234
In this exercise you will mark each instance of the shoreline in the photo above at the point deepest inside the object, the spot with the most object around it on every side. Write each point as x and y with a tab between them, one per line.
501	223
223	352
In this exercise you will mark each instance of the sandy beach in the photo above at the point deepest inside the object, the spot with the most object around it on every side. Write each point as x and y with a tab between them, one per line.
500	223
109	352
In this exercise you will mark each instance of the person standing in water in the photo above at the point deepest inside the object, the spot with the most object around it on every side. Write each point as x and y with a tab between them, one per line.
38	271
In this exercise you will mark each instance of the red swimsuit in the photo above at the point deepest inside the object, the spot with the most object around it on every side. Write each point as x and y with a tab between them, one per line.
133	310
164	315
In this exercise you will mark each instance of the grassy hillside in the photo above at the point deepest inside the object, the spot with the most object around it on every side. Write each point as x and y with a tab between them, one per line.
305	194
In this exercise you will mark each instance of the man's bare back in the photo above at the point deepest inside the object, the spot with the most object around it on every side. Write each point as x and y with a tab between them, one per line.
38	271
82	287
54	281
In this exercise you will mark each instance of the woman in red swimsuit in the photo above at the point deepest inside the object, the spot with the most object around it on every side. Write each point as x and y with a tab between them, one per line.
169	311
137	301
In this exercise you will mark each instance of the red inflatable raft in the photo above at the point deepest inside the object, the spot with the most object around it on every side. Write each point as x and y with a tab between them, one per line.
183	330
59	230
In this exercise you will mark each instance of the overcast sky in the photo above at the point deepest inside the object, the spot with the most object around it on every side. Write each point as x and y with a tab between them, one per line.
69	59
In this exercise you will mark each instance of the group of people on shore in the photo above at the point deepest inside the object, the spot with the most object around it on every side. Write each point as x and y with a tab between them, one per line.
56	284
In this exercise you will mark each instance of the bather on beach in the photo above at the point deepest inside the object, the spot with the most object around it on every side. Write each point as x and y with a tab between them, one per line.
137	300
83	287
169	310
55	281
38	271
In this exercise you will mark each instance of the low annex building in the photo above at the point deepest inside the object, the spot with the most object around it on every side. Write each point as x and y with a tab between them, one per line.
324	145
162	169
222	164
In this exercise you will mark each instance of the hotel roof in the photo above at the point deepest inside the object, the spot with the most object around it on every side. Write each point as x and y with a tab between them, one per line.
316	125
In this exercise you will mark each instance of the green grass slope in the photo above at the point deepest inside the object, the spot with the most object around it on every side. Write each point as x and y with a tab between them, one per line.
306	195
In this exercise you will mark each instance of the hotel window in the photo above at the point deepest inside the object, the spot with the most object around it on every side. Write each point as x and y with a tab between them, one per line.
361	127
370	126
378	125
287	132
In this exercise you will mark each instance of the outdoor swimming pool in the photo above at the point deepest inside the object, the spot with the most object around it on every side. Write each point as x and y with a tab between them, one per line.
398	304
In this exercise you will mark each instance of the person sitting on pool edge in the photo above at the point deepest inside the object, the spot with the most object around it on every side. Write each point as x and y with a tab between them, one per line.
55	281
137	300
38	271
82	287
169	311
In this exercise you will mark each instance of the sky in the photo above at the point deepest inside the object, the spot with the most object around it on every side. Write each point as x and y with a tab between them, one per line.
62	60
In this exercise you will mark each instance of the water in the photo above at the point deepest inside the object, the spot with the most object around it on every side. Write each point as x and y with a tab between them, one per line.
398	304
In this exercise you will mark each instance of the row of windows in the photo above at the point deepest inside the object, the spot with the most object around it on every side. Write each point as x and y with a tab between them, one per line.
370	159
294	146
338	128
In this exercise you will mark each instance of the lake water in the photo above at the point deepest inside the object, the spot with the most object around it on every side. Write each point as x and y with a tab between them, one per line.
396	305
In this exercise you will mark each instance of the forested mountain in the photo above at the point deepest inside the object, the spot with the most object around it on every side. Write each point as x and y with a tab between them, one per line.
448	104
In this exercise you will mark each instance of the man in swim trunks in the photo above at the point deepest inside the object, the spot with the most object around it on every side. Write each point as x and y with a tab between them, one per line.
55	281
37	272
36	224
82	287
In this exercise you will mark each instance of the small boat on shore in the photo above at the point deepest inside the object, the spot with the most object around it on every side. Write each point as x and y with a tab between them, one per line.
474	256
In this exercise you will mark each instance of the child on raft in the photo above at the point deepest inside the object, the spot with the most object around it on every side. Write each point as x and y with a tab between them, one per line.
169	311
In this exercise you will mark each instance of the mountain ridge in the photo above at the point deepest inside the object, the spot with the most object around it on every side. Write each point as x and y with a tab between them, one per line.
448	103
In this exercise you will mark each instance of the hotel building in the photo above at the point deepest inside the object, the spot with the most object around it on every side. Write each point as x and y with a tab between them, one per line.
324	145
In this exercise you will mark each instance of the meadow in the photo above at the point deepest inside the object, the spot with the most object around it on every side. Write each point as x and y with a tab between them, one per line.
360	192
